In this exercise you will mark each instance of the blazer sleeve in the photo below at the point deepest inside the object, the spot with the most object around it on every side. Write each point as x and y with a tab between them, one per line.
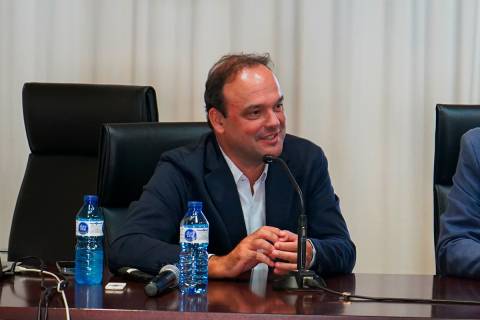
335	251
149	238
458	249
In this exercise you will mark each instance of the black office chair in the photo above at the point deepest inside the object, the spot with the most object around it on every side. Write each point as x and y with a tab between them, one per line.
129	155
63	123
452	121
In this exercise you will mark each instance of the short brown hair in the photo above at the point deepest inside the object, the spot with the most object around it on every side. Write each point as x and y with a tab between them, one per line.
225	70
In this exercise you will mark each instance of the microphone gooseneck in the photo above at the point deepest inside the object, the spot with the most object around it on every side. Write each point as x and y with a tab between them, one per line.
297	279
302	218
269	159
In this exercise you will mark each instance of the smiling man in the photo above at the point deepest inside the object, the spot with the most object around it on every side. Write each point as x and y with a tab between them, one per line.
251	206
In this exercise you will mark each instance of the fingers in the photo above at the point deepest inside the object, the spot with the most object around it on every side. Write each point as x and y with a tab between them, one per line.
261	244
253	249
284	255
284	267
261	241
287	236
268	233
261	257
287	251
263	250
286	246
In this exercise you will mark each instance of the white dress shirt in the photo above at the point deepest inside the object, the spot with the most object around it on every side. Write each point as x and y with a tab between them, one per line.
253	205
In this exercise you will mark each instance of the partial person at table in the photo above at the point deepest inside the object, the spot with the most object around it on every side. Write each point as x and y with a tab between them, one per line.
251	206
458	248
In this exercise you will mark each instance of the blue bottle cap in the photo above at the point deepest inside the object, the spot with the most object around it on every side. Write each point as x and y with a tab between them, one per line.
90	198
195	204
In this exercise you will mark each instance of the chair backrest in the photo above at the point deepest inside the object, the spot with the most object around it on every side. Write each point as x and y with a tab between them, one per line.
129	156
63	124
452	121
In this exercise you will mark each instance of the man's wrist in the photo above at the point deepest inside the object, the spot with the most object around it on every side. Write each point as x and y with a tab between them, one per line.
216	266
314	254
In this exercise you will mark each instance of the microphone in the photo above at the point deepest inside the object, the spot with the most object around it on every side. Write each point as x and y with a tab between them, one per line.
295	279
134	274
167	278
269	159
302	218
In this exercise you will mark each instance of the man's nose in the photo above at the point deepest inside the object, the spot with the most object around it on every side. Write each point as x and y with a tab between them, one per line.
272	119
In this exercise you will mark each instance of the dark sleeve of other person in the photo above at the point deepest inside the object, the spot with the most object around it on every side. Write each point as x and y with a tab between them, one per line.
458	248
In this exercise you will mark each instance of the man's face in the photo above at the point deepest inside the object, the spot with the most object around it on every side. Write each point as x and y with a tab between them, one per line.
255	121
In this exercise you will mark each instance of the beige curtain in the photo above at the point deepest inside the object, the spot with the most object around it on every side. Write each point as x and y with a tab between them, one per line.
361	79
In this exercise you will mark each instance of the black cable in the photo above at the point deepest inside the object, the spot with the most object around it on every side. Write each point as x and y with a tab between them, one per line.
48	295
46	292
40	305
349	297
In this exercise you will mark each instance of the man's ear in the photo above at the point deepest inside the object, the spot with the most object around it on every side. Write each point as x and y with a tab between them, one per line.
216	120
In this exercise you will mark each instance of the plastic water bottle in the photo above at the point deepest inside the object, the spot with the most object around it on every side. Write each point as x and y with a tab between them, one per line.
193	262
89	296
89	249
193	303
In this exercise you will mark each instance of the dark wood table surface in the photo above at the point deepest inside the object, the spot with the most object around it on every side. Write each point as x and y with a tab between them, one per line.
251	298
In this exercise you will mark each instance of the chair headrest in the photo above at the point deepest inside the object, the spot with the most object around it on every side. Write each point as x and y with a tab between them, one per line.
129	154
62	118
452	122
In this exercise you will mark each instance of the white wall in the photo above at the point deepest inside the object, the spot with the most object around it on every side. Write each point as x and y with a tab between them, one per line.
361	79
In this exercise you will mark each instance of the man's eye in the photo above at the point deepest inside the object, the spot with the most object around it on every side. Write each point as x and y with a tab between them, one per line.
279	107
254	113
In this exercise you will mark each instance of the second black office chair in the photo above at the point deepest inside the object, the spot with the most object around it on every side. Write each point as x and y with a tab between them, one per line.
129	155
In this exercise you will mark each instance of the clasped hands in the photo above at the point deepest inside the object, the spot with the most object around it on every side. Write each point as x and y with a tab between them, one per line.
272	246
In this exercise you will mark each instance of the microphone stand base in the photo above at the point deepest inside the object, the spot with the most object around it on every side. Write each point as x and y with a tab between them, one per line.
295	280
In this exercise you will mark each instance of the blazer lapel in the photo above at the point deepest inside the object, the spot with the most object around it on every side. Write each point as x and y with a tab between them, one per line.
223	191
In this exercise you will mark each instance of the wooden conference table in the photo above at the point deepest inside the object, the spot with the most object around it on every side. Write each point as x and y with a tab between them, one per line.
251	298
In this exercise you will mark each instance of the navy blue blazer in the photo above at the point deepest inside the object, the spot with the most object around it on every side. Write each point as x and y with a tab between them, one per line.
458	248
199	172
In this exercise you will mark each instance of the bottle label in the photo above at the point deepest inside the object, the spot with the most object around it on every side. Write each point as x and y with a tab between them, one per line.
194	235
89	228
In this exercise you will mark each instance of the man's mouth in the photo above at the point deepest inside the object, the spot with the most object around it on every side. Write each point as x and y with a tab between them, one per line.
271	137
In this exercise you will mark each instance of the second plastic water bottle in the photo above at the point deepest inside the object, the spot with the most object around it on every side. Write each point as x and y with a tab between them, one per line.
89	249
193	262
